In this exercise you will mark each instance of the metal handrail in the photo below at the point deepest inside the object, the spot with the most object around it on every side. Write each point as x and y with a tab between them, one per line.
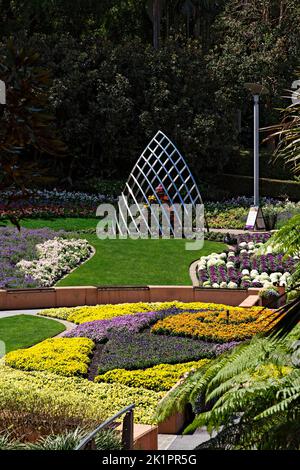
86	440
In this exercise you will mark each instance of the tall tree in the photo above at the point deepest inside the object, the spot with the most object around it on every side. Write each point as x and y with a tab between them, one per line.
26	128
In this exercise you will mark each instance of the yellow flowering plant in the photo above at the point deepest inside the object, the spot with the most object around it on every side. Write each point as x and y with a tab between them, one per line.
52	395
159	378
106	311
65	356
102	312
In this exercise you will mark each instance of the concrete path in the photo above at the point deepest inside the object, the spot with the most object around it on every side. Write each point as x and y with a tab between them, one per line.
235	231
193	273
178	442
232	231
11	313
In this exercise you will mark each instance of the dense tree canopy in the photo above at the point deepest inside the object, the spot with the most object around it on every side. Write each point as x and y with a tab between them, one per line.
112	89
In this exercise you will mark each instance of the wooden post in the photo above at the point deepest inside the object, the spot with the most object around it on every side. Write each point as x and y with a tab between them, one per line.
127	432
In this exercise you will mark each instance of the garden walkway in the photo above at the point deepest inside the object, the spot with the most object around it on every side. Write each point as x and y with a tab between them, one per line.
232	231
11	313
178	442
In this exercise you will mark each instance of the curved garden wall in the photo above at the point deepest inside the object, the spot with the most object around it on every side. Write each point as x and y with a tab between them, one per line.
13	299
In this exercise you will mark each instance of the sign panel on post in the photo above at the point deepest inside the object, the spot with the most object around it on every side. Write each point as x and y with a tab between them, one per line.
255	220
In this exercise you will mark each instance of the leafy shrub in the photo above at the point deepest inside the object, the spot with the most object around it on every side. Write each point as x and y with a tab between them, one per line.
243	185
107	439
56	398
65	356
158	378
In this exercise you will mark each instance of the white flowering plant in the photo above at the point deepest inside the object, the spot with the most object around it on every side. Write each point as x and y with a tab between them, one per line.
55	258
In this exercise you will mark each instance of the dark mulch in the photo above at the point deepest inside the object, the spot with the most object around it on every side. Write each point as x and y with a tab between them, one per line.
96	359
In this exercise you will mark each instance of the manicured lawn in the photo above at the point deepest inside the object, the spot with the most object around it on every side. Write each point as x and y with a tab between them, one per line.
22	331
138	262
57	223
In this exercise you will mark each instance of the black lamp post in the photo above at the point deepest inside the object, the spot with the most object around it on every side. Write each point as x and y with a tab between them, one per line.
2	92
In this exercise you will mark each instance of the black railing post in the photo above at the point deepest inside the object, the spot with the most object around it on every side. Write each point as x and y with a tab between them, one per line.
91	445
88	442
127	432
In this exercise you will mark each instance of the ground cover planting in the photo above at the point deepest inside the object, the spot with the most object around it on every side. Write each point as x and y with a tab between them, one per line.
107	311
223	327
37	257
144	350
100	330
158	378
66	356
115	356
50	204
34	258
15	246
26	395
55	258
22	331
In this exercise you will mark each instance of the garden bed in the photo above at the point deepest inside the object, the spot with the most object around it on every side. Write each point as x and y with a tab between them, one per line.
246	264
38	258
118	355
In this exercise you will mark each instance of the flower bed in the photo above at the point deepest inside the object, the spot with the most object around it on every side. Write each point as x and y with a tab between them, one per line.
85	314
124	351
100	330
232	214
244	266
158	378
226	326
15	246
54	397
44	203
65	356
135	365
37	258
55	258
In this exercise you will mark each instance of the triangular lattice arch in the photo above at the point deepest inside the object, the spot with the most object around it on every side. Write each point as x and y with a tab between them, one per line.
161	164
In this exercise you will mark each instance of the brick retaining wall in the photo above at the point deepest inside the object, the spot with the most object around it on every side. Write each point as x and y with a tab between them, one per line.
14	299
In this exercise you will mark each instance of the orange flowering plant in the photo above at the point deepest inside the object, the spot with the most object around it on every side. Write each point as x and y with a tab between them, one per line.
232	324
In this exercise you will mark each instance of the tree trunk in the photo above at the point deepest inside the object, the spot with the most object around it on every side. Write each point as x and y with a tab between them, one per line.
156	22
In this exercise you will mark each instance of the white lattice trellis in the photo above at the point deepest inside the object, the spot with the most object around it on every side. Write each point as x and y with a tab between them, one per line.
161	164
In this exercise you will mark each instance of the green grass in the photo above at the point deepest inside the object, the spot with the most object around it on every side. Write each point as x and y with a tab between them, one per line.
23	331
138	262
57	223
